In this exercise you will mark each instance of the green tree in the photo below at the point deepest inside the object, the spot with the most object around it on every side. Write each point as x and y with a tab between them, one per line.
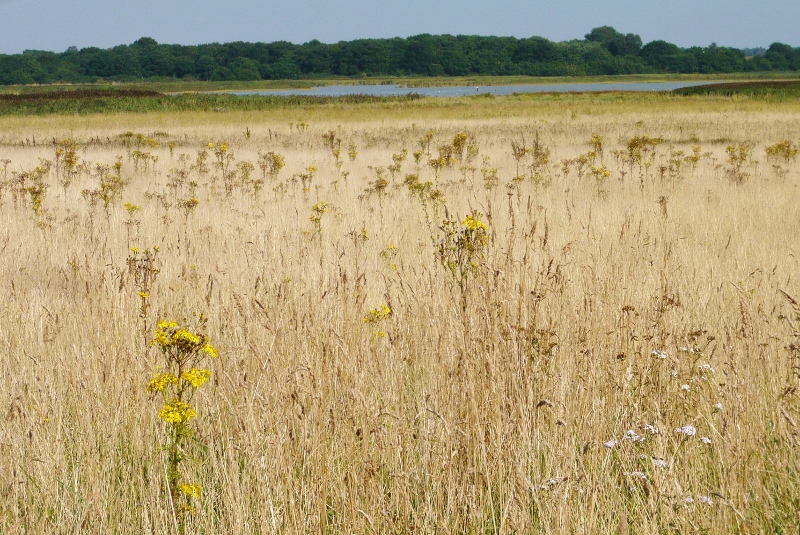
615	42
245	69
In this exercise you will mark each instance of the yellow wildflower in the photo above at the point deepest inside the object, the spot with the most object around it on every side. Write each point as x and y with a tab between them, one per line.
378	314
210	145
160	381
164	324
210	350
196	377
473	223
135	250
177	412
184	336
161	339
191	490
144	295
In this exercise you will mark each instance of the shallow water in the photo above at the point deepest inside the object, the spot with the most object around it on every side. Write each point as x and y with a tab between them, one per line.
460	91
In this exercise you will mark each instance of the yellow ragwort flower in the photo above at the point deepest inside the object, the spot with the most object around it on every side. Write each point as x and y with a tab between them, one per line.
164	324
378	314
196	377
473	223
161	339
144	295
210	350
160	381
185	337
191	490
177	412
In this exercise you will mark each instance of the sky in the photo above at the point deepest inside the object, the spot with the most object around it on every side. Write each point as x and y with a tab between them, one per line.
57	25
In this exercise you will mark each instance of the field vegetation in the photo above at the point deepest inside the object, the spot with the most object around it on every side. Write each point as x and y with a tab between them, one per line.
552	313
144	98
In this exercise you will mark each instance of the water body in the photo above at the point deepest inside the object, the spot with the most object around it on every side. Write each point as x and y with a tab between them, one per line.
461	91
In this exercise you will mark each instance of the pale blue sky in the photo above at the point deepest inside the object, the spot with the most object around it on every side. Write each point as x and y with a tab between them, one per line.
56	25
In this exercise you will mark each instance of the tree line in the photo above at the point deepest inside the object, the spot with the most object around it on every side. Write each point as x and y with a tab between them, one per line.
603	51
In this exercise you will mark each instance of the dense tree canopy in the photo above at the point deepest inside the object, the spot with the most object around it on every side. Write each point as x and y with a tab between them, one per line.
603	51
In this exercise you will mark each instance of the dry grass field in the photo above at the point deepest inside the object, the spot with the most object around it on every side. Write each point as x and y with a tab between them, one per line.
577	317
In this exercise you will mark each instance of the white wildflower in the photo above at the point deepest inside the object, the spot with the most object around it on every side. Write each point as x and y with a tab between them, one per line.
610	444
650	429
633	436
659	354
705	499
686	388
660	463
688	430
705	440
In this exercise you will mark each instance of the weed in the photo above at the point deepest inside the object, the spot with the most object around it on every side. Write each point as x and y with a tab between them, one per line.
177	381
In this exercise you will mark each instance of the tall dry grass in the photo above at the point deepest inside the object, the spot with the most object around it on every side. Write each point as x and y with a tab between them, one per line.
602	314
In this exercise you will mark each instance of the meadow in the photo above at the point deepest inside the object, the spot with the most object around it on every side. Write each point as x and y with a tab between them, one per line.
531	314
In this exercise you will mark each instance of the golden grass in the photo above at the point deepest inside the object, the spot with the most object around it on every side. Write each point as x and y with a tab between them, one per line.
490	418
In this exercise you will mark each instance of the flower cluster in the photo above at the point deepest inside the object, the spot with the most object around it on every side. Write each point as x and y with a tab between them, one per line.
180	343
160	381
179	377
177	412
462	249
473	223
192	490
196	377
378	314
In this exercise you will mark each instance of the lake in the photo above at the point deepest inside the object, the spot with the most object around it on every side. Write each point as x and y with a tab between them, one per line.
460	91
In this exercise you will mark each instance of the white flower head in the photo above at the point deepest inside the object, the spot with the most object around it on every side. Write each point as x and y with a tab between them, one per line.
705	499
650	429
686	388
633	436
689	499
659	354
688	430
610	444
705	440
719	406
660	463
